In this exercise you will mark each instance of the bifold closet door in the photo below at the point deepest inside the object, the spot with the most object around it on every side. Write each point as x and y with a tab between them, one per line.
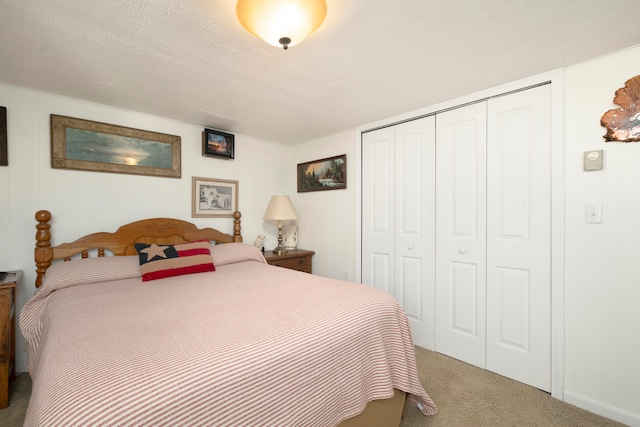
398	220
378	209
519	236
461	172
493	235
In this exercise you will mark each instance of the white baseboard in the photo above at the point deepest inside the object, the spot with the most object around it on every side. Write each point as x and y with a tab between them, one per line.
617	414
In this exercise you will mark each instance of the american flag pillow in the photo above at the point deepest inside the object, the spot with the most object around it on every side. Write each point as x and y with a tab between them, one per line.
160	261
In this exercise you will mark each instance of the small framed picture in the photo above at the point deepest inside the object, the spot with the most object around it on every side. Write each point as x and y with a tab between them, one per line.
4	157
217	144
323	174
213	197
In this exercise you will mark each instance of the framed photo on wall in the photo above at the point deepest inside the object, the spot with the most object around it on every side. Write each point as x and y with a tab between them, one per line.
101	147
4	151
217	144
323	174
213	198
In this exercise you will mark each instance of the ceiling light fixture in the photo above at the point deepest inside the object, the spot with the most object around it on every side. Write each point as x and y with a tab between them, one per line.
281	22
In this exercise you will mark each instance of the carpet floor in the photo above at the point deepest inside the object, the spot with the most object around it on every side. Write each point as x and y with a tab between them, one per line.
465	396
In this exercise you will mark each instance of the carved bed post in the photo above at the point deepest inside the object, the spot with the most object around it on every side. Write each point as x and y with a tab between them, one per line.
237	235
43	252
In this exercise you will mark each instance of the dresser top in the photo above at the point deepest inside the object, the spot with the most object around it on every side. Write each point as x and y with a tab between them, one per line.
12	278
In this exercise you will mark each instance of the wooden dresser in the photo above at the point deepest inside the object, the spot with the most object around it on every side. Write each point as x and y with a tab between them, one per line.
7	333
296	259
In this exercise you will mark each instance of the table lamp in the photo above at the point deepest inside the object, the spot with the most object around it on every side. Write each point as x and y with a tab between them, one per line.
280	209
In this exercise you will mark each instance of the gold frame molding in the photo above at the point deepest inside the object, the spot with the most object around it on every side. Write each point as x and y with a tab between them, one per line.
143	143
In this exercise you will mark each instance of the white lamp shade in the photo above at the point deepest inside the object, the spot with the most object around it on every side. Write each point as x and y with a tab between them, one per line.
273	19
280	209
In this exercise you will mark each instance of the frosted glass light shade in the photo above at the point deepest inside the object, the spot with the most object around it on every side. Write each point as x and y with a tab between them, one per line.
271	20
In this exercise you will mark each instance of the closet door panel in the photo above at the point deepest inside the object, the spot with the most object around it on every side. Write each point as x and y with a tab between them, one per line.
415	226
378	213
461	233
519	237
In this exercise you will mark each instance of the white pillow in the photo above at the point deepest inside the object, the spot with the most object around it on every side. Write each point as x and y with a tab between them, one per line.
228	253
91	270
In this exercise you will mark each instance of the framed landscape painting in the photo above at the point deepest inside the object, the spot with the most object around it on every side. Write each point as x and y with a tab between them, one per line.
217	144
94	146
323	174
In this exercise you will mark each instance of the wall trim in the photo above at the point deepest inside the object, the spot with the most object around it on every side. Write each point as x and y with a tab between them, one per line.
603	409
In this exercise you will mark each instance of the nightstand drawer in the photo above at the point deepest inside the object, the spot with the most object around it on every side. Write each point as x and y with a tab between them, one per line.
302	264
296	259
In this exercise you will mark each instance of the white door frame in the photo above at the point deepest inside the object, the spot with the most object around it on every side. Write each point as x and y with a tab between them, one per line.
557	198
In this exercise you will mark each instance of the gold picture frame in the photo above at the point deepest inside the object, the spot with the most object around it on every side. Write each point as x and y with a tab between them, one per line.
213	198
101	147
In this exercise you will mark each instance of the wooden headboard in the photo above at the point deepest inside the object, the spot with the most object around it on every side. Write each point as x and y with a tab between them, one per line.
121	242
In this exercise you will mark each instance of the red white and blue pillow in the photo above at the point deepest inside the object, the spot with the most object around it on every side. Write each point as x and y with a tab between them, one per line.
160	261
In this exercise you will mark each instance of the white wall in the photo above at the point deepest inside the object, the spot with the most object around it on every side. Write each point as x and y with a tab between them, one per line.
327	219
85	202
602	261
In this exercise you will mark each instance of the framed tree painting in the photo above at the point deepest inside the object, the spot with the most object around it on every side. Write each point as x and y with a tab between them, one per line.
323	174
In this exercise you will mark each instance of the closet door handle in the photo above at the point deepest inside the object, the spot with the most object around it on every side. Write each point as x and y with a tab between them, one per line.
410	247
462	251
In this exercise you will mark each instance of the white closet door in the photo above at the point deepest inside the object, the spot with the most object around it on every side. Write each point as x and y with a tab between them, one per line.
415	226
519	237
461	233
398	245
378	213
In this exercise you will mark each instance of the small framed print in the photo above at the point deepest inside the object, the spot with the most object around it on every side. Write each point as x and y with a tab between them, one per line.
4	154
323	174
213	198
217	144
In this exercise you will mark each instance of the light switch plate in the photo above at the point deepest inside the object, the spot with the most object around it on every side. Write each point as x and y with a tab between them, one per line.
593	214
593	160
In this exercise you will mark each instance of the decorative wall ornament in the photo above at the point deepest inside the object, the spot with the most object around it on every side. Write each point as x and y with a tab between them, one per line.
623	124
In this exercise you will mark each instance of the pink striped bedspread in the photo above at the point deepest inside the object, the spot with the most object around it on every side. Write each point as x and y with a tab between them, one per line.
247	345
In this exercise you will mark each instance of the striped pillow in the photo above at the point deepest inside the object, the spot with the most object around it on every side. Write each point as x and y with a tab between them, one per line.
160	261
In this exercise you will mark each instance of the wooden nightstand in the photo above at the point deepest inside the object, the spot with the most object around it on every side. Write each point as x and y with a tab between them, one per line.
7	333
296	259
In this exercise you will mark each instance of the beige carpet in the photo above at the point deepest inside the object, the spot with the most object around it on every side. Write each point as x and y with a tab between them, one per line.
465	395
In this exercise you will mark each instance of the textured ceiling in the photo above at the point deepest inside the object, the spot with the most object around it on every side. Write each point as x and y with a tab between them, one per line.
192	61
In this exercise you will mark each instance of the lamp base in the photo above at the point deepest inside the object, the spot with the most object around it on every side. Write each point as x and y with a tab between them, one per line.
279	250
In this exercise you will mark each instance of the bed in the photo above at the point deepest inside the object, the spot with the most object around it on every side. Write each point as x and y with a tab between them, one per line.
189	326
